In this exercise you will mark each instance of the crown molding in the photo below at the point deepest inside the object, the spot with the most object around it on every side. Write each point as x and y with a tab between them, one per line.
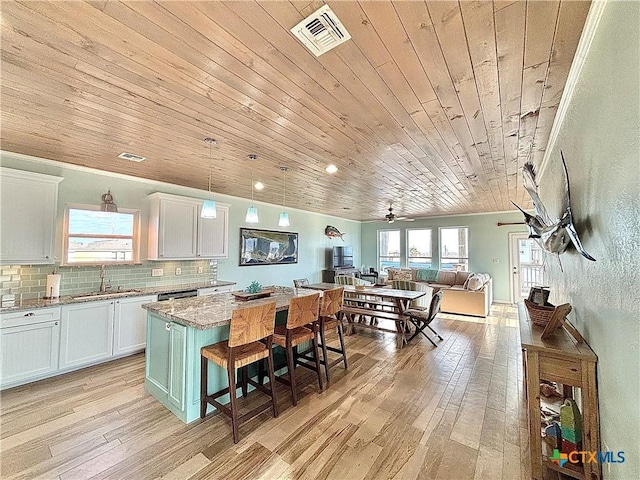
584	45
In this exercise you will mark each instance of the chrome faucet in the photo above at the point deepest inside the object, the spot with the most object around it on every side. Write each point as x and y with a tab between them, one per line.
103	286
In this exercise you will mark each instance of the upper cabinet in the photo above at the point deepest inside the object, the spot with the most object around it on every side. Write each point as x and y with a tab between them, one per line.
176	231
28	217
213	233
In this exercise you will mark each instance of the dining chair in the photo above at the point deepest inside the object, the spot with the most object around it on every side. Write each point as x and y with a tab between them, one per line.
250	340
422	319
302	326
330	317
300	282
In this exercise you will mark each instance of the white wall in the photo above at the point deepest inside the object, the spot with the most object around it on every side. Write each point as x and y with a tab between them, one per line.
600	137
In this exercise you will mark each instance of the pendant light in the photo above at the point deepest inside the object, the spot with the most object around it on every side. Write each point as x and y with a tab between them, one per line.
209	206
283	221
252	211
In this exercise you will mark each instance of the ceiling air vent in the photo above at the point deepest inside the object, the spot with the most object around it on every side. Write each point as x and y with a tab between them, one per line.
131	156
321	31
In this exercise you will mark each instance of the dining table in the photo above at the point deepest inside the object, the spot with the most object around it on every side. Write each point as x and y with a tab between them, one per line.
378	303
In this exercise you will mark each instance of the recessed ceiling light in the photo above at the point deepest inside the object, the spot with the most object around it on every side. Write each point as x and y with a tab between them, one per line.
131	156
331	169
258	185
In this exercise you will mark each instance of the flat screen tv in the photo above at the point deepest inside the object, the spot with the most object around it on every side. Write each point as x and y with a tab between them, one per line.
342	257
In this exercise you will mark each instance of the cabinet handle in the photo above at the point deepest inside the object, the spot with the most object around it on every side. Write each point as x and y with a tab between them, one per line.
46	256
167	326
30	314
56	323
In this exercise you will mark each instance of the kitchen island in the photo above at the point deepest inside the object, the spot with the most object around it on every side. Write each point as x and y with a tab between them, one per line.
177	329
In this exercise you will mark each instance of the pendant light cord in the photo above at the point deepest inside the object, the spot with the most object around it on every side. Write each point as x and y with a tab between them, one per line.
284	182
210	162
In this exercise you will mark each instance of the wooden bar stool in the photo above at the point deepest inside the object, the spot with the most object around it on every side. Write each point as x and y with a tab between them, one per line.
301	327
330	308
248	327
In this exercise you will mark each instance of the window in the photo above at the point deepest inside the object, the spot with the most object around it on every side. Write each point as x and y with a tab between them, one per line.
93	237
419	248
388	249
454	248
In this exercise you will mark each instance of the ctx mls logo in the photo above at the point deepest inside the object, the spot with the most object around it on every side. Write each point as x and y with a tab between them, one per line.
586	457
559	458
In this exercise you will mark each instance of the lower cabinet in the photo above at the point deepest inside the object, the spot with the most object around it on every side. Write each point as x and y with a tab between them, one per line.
96	331
130	324
48	341
166	345
29	346
87	333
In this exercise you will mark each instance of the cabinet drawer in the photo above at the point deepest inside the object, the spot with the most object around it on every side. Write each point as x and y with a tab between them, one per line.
561	370
29	317
212	290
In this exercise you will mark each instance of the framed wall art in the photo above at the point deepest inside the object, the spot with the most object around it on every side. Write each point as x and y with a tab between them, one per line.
267	247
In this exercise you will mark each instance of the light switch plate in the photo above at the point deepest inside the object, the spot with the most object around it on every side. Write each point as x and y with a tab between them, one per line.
200	269
178	271
157	272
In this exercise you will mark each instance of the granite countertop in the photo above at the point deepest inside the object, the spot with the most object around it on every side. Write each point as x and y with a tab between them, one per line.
212	311
139	292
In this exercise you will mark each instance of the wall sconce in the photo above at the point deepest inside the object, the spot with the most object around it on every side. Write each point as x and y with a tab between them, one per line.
208	209
107	203
252	211
283	221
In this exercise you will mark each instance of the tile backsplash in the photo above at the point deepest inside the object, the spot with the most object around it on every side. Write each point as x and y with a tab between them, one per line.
25	282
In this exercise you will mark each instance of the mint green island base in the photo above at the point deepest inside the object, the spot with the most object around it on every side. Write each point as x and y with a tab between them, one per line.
172	373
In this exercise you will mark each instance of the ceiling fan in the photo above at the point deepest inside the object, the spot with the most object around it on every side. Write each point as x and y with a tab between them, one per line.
392	217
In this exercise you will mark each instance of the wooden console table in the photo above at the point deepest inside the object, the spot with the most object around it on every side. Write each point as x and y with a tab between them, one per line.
561	359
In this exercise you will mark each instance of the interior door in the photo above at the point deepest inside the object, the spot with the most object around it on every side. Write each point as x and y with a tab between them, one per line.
527	265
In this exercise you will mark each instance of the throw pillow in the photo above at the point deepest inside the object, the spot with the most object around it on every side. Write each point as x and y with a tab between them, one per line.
474	283
403	275
426	275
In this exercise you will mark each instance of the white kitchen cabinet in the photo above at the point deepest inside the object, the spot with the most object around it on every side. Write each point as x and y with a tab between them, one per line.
29	345
213	236
27	217
97	331
173	226
87	333
130	324
176	231
214	290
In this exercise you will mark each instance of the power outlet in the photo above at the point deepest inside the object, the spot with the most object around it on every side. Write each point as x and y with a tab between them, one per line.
496	260
178	271
157	272
200	270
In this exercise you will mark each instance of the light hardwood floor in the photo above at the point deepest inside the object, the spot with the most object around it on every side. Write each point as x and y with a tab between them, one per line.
452	412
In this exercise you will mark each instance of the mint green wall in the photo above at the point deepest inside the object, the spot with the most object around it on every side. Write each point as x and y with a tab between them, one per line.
87	187
487	242
600	140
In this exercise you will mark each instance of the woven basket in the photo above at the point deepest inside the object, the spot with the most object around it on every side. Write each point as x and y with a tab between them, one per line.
539	315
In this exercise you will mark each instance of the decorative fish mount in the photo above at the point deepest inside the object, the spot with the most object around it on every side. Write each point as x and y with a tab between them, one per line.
333	232
552	236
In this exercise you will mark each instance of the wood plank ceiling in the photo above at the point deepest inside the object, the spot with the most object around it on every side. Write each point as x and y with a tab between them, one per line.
432	105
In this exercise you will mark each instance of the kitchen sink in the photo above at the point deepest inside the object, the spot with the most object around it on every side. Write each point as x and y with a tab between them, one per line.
120	293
